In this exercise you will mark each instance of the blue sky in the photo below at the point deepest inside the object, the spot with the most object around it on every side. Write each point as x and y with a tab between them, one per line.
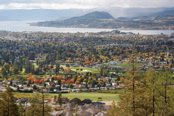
82	4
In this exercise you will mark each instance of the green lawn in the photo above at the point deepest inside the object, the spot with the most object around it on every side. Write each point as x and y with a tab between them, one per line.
84	69
92	96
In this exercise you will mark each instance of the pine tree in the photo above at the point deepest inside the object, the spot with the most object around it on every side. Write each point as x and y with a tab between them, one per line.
128	105
153	95
36	108
165	94
112	111
8	105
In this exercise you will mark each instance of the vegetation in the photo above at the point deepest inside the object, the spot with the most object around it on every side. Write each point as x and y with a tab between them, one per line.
121	68
8	105
152	95
82	96
36	108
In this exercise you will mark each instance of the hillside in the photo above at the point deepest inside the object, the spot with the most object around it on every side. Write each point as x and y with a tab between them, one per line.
93	19
160	20
166	13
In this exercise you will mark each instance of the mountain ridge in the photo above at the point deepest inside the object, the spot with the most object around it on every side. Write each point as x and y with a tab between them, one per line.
103	19
88	20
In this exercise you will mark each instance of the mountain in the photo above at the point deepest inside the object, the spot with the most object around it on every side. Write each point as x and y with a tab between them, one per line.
166	13
94	19
132	12
96	16
160	20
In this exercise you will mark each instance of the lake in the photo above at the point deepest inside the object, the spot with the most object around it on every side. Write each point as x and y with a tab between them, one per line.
21	26
24	26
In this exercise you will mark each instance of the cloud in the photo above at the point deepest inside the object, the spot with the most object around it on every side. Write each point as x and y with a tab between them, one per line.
82	4
44	6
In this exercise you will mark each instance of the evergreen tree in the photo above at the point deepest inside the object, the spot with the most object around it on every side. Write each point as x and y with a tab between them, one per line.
165	94
36	108
153	95
8	105
112	111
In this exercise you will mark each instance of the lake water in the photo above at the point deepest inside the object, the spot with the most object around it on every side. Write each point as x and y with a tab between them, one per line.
24	26
20	26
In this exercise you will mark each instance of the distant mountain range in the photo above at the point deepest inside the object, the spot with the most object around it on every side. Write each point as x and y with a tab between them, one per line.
159	20
165	13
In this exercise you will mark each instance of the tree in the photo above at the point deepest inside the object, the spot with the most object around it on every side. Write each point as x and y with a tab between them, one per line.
8	105
125	106
6	71
165	94
153	95
112	111
60	98
57	70
36	108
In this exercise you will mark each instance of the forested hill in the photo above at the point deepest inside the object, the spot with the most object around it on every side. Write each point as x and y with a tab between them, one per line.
93	19
105	20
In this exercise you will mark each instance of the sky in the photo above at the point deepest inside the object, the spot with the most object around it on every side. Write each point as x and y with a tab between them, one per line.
83	4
